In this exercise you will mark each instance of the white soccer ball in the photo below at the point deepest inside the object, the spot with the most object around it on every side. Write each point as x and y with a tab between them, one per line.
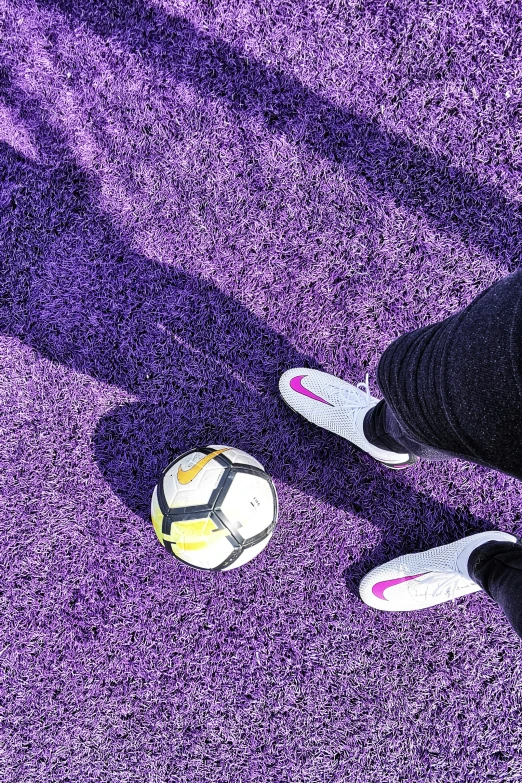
214	508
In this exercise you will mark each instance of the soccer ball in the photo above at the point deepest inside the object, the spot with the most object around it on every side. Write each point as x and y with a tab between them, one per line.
214	508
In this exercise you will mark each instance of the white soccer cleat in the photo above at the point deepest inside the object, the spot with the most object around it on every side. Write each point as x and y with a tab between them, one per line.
427	578
339	407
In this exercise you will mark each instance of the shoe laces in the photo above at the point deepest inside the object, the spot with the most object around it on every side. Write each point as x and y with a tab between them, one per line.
357	397
442	583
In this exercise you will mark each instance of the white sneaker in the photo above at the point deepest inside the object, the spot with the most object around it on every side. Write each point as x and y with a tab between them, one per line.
427	578
339	407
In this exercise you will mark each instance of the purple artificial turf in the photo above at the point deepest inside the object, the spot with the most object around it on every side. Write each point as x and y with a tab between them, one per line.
195	196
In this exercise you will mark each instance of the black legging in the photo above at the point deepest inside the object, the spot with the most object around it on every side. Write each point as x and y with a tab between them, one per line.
454	389
497	568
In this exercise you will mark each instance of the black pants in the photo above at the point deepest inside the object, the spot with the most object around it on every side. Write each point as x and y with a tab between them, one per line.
454	389
497	568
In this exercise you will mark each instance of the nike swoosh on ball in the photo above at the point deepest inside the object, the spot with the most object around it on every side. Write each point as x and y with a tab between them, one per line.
186	476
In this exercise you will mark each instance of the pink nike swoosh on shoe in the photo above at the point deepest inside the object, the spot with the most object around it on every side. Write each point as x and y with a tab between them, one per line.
297	386
379	587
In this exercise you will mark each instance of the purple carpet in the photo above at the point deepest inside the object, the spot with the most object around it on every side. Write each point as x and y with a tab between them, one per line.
194	197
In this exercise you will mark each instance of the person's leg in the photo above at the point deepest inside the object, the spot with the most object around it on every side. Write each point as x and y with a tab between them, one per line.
382	429
452	389
497	568
455	388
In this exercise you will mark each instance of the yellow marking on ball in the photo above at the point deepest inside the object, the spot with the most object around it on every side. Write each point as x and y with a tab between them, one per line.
194	534
157	515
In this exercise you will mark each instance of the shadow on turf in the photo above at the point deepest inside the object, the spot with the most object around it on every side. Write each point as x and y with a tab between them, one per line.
451	199
202	368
